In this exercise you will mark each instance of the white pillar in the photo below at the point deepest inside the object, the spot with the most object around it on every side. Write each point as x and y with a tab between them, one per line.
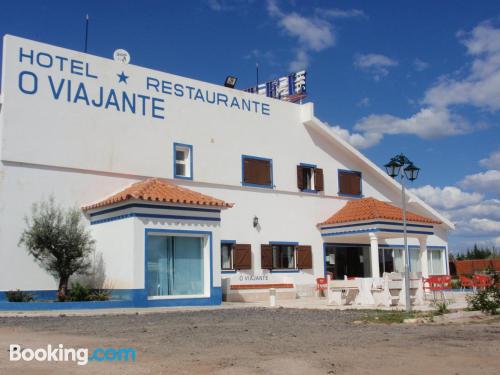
374	255
423	256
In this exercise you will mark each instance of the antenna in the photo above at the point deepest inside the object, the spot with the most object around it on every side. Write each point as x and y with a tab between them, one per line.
86	32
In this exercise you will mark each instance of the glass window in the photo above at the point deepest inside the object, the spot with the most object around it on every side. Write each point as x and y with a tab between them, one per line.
227	256
435	261
307	175
284	257
183	162
174	266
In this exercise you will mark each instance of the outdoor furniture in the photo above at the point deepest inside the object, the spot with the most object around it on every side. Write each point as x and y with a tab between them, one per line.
482	281
437	284
321	284
343	292
466	282
387	291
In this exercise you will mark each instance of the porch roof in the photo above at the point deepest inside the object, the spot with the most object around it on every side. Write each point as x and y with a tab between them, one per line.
370	208
158	190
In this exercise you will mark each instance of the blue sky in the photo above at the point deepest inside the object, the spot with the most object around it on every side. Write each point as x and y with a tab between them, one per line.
422	77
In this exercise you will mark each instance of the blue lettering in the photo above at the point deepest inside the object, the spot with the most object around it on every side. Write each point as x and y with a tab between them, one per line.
112	100
156	107
245	103
199	95
127	102
179	90
265	109
143	98
48	62
61	62
87	72
152	82
166	87
190	88
22	54
234	103
76	67
56	93
219	100
81	93
208	97
34	82
101	98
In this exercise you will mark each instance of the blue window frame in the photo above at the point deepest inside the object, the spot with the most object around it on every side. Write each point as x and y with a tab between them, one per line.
284	257
183	161
350	172
227	256
308	178
268	183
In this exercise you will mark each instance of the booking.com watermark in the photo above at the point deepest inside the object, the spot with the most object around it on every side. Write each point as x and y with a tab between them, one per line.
81	356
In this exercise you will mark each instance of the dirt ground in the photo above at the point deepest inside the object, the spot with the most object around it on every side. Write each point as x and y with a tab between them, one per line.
257	341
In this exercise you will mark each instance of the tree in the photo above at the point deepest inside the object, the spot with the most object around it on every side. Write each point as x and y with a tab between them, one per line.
59	242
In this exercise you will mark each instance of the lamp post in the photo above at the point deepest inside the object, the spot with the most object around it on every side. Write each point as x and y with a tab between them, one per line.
400	166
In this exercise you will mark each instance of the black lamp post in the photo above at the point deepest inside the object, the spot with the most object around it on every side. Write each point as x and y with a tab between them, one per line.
394	169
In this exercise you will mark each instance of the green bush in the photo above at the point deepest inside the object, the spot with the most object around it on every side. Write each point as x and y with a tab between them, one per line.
486	300
455	284
19	296
80	292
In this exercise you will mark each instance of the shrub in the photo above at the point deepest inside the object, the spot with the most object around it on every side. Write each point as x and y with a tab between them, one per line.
441	307
80	292
19	296
486	300
455	284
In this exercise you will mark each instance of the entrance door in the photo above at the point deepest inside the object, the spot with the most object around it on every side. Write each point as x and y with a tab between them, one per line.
352	261
174	266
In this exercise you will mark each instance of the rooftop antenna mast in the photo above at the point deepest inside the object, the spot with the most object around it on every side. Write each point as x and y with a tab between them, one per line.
86	32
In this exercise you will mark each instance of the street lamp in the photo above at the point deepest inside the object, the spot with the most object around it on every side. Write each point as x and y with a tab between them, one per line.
410	171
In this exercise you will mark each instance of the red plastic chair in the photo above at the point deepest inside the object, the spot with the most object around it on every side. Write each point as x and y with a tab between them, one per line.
482	281
466	282
437	284
321	283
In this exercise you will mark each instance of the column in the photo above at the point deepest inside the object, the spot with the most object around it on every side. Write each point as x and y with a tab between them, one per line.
374	255
423	256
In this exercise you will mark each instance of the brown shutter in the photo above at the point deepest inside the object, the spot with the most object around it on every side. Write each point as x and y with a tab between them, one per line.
350	183
300	177
266	256
304	257
318	179
356	183
242	256
257	171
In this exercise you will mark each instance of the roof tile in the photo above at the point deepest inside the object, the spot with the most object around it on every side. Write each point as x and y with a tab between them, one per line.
157	190
371	208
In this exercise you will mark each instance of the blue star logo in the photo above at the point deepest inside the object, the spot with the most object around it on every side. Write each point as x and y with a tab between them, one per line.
122	77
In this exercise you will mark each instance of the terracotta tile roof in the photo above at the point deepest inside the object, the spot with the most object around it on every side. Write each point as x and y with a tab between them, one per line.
371	208
157	190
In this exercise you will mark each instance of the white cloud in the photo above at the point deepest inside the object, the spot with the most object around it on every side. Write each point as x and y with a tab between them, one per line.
448	197
364	102
492	161
341	13
420	65
478	227
488	181
489	208
481	86
376	64
355	139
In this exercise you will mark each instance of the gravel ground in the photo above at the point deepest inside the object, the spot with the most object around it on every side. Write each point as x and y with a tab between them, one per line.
257	341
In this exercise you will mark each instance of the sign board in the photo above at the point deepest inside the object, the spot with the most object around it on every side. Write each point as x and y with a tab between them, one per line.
291	88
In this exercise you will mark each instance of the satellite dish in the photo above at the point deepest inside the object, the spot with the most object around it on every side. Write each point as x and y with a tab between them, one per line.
121	56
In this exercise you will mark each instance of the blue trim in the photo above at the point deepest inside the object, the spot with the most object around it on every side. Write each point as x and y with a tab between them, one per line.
190	147
284	271
376	222
283	243
313	166
374	230
155	216
144	205
324	258
226	242
243	183
182	301
360	195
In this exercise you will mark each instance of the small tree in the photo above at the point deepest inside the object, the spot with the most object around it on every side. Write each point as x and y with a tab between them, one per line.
59	242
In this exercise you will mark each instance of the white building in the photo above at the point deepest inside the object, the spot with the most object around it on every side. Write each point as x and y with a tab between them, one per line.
189	186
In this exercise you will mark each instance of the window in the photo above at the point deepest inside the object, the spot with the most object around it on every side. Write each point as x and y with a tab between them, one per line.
257	171
392	260
286	257
183	161
235	256
309	178
435	261
349	183
174	266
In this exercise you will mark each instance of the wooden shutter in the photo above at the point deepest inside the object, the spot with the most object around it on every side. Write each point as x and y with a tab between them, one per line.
300	177
318	179
242	256
304	257
257	171
350	183
266	256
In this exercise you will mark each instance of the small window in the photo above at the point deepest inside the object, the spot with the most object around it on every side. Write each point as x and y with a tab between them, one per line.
349	183
286	257
183	155
257	171
309	178
235	256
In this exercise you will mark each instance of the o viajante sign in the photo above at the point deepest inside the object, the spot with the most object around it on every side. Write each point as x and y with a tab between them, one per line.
83	80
